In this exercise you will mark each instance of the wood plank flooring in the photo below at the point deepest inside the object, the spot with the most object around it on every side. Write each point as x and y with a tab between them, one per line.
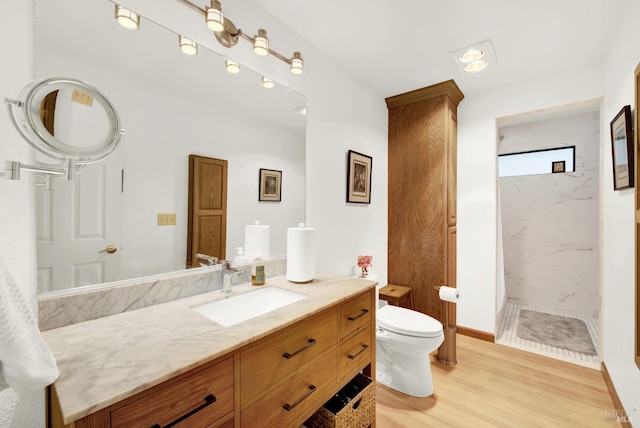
497	386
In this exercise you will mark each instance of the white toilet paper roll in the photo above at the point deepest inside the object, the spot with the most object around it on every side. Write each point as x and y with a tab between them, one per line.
257	240
449	294
301	253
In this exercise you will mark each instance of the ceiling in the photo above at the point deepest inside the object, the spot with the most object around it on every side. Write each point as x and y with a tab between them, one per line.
397	46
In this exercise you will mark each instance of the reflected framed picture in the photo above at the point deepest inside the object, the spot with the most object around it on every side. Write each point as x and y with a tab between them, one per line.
359	178
270	185
622	150
557	166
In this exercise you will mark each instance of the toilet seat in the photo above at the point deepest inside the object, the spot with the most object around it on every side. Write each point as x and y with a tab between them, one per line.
408	322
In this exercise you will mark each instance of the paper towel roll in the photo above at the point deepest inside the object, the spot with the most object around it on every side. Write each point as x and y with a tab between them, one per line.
449	294
301	253
256	240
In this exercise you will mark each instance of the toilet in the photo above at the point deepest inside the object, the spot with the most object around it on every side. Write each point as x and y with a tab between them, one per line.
404	340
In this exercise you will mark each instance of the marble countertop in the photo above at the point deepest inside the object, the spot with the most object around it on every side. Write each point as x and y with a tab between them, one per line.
106	360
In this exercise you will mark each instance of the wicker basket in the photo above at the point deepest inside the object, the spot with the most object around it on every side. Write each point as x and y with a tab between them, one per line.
358	413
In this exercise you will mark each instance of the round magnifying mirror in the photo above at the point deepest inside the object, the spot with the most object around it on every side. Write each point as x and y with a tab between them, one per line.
66	118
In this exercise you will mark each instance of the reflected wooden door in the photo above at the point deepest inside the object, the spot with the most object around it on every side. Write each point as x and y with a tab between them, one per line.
207	218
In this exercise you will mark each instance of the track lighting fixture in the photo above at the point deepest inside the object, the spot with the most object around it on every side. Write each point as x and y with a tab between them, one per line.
187	46
267	83
232	66
227	34
127	18
214	17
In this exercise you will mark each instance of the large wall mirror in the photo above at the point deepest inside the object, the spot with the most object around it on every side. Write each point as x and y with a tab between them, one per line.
171	105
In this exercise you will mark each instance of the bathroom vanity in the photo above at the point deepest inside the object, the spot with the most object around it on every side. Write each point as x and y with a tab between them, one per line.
169	365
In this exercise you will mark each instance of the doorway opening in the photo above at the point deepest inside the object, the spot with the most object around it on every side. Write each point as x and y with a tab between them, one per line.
548	296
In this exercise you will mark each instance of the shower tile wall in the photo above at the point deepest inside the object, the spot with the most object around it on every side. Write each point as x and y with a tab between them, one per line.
550	221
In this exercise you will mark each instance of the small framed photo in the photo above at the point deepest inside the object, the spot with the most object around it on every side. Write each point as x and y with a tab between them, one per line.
557	166
359	178
622	150
270	186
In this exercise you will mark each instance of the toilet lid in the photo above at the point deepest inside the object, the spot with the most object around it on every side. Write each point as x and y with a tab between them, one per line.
407	322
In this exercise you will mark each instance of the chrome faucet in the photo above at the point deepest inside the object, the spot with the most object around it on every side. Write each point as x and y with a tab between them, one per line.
210	260
228	273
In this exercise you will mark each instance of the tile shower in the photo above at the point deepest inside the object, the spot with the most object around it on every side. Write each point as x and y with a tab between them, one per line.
550	233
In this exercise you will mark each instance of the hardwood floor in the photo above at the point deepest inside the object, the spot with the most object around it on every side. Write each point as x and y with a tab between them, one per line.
497	386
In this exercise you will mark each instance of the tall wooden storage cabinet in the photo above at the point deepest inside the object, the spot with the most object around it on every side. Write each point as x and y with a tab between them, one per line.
422	193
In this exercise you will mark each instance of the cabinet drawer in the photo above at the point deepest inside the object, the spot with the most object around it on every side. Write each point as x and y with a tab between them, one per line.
354	351
303	391
354	314
181	398
271	360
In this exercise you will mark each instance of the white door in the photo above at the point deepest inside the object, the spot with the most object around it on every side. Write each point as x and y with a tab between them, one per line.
76	221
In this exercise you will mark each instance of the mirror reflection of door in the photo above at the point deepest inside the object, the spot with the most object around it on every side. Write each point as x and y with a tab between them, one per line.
85	215
207	218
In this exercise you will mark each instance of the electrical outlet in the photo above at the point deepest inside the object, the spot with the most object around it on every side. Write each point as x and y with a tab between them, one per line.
166	219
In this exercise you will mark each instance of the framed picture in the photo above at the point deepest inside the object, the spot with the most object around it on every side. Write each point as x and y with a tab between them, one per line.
270	185
622	150
359	178
557	166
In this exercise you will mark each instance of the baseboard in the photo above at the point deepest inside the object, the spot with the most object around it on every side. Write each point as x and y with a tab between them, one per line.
482	335
617	413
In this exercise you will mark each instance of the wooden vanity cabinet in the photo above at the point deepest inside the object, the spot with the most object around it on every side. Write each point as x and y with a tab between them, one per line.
277	381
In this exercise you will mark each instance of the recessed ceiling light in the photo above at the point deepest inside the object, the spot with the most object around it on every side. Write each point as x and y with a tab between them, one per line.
476	66
471	55
478	57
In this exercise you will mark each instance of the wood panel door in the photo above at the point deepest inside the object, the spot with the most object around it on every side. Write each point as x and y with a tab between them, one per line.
422	193
207	211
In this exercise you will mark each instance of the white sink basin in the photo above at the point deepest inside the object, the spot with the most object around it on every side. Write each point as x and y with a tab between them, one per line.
234	310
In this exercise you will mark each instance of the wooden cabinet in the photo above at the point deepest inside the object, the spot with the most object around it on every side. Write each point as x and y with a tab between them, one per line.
277	381
422	193
203	398
270	360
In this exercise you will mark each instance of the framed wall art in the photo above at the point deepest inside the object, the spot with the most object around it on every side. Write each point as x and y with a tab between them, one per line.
558	166
359	178
270	185
622	150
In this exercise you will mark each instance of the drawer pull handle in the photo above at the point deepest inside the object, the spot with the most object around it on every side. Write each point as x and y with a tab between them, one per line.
364	347
289	407
209	399
364	311
308	345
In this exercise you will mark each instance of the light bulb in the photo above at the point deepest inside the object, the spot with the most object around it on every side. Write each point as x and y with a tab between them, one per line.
215	17
187	46
261	43
232	66
126	18
297	65
267	83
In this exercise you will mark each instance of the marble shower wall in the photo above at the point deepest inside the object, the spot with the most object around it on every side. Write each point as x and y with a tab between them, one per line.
550	221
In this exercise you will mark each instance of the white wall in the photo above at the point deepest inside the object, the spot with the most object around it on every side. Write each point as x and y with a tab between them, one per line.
477	180
550	221
17	212
343	115
477	230
618	223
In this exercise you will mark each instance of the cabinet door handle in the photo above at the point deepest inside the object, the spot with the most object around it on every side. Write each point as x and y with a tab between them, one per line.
209	399
289	407
364	311
307	346
364	347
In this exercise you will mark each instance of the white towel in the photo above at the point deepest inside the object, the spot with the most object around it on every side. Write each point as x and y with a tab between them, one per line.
26	363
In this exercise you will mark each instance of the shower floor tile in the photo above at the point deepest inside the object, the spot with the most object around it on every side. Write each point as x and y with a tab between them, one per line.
509	325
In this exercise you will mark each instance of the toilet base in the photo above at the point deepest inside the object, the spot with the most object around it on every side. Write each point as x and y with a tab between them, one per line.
408	375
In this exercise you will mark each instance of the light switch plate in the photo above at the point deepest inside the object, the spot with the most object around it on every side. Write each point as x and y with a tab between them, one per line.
166	219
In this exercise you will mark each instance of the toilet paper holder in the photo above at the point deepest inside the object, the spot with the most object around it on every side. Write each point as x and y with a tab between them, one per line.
447	351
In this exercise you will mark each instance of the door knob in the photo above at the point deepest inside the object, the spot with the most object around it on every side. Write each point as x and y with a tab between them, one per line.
110	249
